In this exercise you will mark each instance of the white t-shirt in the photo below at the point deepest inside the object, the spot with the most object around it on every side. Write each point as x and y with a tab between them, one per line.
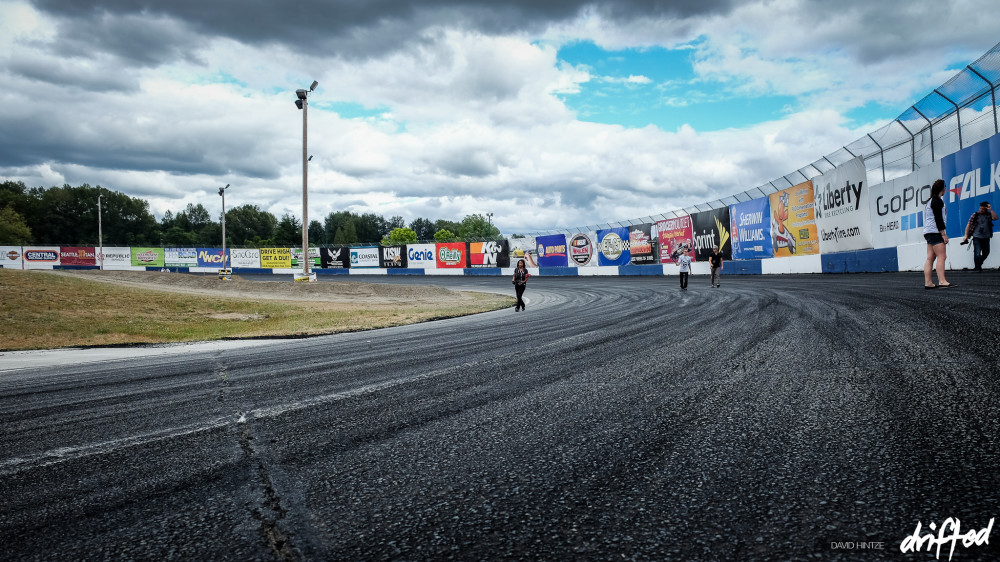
684	261
930	225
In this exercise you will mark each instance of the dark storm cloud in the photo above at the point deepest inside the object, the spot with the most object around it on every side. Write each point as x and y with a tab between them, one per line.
349	28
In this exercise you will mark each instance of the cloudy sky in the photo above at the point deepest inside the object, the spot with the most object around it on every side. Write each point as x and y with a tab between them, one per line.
546	113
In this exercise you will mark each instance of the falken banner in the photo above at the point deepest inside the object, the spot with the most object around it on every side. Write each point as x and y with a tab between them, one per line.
612	246
489	254
793	221
840	202
640	245
897	210
392	257
552	250
971	176
711	230
338	257
750	229
674	234
582	248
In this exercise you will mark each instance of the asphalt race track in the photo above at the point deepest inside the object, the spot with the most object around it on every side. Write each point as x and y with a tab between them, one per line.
816	417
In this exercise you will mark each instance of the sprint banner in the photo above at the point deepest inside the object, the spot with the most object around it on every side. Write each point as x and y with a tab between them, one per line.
711	230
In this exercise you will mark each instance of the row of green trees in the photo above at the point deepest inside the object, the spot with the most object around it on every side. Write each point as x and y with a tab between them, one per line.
68	215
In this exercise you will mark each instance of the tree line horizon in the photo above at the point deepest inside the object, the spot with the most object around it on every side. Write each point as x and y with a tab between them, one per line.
68	215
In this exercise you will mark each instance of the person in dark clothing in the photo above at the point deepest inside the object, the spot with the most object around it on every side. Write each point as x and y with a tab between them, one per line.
716	262
935	218
520	280
980	229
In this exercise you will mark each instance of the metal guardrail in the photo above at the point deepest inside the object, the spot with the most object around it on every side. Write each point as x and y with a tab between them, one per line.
959	113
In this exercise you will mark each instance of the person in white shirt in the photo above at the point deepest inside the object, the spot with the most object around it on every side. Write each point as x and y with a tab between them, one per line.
684	262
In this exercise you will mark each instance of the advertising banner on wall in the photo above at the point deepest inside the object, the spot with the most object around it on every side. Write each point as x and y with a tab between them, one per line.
640	245
523	248
10	257
421	256
211	257
314	258
612	247
897	207
40	257
551	250
750	229
840	204
392	257
711	229
793	221
674	234
247	258
451	255
489	254
581	249
972	176
115	257
364	257
338	257
147	257
77	255
180	257
276	258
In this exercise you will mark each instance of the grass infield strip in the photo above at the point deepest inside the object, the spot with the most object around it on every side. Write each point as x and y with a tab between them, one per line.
47	310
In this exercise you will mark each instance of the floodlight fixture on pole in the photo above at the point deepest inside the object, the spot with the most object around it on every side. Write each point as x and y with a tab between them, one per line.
224	273
302	102
100	232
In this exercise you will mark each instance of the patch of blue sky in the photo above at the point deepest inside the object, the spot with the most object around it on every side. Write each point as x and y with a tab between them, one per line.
352	110
658	86
871	113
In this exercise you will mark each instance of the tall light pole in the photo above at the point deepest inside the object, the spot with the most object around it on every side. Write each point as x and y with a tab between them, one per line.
100	231
489	218
303	103
222	192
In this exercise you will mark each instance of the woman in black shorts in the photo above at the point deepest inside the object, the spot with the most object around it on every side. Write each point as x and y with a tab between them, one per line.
935	217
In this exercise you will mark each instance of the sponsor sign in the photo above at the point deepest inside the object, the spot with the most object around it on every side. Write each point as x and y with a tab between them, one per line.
147	257
612	247
552	250
364	257
77	255
421	256
840	200
115	257
524	249
674	234
971	176
793	221
750	229
314	258
338	257
711	229
276	258
40	257
392	257
489	254
897	210
180	257
10	257
248	258
581	249
451	255
640	244
211	257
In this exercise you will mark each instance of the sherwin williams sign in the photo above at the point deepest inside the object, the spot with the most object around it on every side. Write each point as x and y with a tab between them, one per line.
552	251
180	257
364	257
78	255
451	255
612	245
971	175
147	257
276	258
840	199
750	229
793	221
674	234
489	254
211	257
